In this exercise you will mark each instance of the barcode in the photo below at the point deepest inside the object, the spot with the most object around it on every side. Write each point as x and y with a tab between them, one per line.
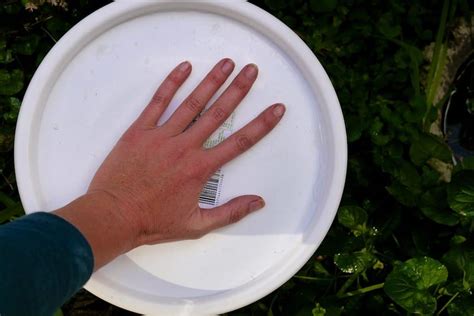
211	191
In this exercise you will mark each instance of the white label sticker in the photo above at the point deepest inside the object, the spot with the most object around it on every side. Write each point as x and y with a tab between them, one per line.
211	192
212	189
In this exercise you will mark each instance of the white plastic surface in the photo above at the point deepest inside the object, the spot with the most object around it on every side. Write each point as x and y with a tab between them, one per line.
98	78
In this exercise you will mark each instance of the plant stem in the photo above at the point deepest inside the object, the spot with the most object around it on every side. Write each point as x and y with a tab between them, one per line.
447	303
271	305
438	72
1	171
363	290
49	34
396	240
301	277
438	43
438	62
346	285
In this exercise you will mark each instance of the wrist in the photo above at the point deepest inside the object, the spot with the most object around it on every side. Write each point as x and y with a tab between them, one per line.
103	223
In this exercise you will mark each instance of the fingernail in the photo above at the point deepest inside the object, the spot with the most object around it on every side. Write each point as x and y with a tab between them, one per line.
251	71
227	66
184	66
256	204
278	110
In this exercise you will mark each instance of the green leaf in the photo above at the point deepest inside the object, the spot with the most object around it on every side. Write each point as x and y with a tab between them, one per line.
467	163
319	269
352	217
460	262
377	134
387	26
416	57
454	287
409	283
57	27
26	45
355	126
462	306
355	262
429	146
7	201
408	176
320	6
270	312
421	241
304	310
59	312
11	212
276	4
457	240
337	240
319	310
11	107
5	54
403	194
11	82
434	206
440	216
12	8
430	177
461	193
6	140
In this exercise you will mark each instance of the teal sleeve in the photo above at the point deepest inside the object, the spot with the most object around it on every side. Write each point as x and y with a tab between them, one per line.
44	260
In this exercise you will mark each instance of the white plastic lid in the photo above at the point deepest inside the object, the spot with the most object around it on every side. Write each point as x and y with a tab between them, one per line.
98	78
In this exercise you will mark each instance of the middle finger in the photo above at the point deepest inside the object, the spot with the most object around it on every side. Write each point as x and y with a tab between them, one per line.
197	100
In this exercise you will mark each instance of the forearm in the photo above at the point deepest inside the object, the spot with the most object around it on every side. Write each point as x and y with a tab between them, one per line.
107	230
44	260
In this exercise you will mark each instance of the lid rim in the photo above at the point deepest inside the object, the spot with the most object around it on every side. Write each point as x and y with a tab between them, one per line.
273	29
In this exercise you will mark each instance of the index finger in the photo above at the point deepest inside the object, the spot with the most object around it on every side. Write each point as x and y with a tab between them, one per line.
162	97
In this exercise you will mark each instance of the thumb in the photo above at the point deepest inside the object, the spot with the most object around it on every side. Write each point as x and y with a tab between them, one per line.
230	212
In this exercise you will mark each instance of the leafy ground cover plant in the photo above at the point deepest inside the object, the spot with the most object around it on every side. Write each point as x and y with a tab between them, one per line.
402	241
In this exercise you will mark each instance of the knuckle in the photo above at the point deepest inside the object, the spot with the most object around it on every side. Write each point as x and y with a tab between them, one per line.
243	142
206	168
178	153
174	78
215	79
236	215
202	170
196	169
158	99
193	104
268	121
218	114
132	135
241	84
196	234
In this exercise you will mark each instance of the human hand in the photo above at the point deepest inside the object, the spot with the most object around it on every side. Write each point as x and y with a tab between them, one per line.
149	184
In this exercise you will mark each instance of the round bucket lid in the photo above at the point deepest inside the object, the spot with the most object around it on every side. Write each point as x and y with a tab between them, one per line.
99	77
